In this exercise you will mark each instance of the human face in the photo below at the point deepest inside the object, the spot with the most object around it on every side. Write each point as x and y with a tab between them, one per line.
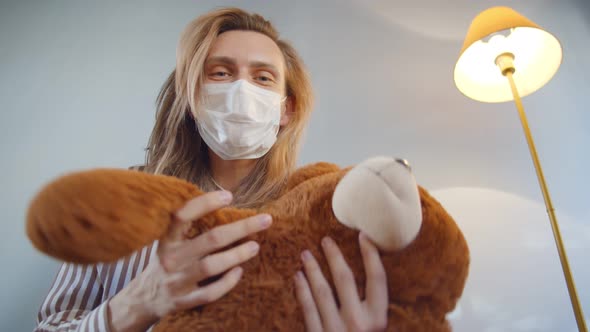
250	56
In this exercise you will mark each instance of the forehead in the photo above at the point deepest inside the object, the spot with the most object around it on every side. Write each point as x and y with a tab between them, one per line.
247	46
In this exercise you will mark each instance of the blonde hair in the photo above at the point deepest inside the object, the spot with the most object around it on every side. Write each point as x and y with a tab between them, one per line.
175	146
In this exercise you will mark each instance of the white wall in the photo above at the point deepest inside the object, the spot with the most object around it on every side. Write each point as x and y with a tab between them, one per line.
79	79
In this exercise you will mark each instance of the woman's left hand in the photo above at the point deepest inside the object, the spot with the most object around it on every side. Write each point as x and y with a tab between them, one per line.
316	298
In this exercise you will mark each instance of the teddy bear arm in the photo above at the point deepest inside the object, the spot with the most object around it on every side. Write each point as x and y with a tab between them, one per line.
104	214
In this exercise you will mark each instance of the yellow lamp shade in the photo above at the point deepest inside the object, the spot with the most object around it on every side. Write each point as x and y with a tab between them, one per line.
499	30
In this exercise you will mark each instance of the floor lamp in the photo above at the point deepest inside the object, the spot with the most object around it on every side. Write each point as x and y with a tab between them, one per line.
506	56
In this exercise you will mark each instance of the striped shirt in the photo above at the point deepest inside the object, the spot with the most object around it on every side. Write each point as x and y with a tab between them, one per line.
78	298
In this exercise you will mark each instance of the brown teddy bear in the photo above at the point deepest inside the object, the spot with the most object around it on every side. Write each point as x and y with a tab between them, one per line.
105	214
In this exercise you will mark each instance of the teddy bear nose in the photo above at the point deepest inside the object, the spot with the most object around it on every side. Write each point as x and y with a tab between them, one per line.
404	162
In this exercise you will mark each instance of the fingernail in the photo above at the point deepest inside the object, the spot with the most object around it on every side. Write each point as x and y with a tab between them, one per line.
306	255
363	237
327	242
225	196
298	275
253	247
265	220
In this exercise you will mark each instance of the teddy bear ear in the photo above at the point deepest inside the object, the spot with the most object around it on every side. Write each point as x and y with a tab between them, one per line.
380	197
102	215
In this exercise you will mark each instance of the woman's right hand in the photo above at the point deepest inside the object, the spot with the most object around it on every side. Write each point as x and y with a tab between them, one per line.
169	282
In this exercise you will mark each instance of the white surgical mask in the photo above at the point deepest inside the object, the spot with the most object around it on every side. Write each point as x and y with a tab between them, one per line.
238	120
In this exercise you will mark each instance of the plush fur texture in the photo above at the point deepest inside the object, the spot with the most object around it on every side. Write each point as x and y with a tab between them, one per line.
103	215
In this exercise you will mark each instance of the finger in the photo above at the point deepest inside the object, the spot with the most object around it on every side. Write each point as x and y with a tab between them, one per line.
321	291
222	236
343	277
311	315
215	264
376	286
211	292
195	209
203	204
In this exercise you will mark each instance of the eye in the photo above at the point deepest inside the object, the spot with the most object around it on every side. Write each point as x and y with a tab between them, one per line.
265	78
218	73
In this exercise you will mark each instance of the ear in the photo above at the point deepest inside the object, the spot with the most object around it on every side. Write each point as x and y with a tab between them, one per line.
287	111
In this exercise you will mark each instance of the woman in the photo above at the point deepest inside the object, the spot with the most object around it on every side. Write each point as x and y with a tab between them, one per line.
230	119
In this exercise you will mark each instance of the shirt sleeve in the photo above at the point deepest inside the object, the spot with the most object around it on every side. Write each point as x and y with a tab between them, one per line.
73	302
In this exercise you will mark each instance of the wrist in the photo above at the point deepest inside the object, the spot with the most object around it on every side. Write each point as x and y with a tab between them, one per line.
127	310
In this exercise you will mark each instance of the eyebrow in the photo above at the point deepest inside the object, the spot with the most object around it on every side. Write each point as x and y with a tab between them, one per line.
231	61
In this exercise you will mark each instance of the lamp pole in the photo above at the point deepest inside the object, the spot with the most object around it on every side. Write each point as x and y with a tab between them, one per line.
506	65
